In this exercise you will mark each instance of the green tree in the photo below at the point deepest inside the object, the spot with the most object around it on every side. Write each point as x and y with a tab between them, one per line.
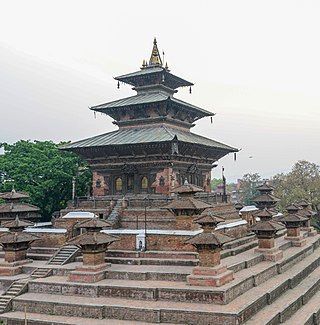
248	185
44	172
302	182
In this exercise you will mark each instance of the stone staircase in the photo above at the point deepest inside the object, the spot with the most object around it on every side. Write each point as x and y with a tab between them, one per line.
262	293
64	255
114	216
16	288
41	273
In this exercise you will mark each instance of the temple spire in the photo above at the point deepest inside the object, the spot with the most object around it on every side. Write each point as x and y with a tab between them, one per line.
155	58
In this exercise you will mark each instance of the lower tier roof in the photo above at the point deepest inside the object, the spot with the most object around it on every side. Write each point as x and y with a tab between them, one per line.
141	135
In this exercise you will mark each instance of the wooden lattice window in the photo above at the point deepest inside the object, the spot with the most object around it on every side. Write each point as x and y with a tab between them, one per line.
144	183
119	184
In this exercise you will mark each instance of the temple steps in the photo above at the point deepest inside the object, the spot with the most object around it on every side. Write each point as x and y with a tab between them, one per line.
18	318
63	255
308	314
291	301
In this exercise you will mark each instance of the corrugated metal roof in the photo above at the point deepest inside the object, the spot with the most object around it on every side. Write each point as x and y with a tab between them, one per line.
146	135
129	78
152	97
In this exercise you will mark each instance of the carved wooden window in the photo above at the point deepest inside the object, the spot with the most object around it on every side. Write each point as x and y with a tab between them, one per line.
144	183
119	184
130	182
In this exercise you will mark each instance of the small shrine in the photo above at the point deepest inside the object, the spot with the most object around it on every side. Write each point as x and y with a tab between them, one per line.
13	207
93	245
185	206
265	199
209	243
266	230
15	244
304	211
293	222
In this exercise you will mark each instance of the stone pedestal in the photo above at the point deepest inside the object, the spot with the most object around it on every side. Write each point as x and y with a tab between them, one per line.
297	241
267	247
293	234
89	273
310	231
13	268
270	254
184	222
93	269
210	276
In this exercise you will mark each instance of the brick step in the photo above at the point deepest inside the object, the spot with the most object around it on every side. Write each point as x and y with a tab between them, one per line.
308	314
152	261
238	250
148	261
241	241
43	250
285	306
39	257
152	254
148	276
245	279
18	318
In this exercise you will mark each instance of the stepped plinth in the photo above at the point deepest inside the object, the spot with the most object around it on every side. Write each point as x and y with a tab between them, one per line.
208	244
265	231
93	245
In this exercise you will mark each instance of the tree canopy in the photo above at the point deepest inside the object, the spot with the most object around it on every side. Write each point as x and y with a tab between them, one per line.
302	182
248	185
44	172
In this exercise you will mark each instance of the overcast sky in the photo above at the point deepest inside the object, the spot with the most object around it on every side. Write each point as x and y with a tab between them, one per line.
254	63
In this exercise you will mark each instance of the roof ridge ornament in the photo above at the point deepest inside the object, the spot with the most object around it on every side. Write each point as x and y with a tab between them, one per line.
155	59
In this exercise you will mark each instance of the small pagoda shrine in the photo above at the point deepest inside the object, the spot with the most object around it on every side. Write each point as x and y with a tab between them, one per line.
93	245
293	222
266	230
304	211
209	243
185	206
265	199
153	150
13	207
15	244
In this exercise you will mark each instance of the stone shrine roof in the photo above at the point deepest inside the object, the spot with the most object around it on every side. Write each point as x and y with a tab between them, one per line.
267	226
93	223
16	237
13	195
187	204
17	223
17	207
209	238
95	238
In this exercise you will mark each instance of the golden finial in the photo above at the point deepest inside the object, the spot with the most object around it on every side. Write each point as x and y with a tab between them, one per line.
166	67
144	64
155	58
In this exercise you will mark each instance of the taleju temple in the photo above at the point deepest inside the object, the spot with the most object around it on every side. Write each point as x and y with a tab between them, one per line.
152	245
153	150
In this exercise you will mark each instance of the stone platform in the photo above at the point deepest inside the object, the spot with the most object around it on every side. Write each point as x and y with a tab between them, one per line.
262	292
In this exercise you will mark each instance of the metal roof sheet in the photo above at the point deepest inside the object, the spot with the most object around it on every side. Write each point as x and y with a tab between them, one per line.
141	135
147	98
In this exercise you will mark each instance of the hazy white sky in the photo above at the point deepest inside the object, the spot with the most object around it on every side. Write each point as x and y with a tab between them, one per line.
254	63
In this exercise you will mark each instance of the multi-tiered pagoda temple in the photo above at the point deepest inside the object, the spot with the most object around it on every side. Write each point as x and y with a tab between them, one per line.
153	150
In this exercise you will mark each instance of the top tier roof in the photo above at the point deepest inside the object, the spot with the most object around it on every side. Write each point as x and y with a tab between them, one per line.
154	72
264	188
